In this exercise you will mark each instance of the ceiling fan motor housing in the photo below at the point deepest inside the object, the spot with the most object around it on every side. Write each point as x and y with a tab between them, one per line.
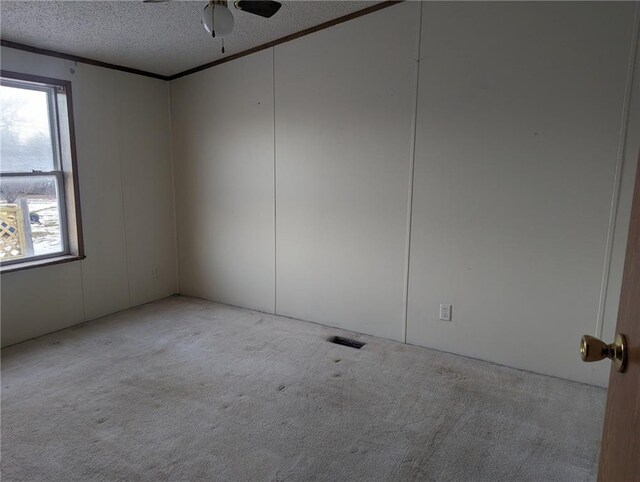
217	18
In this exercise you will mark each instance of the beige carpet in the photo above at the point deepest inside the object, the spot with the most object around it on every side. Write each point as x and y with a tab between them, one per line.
184	389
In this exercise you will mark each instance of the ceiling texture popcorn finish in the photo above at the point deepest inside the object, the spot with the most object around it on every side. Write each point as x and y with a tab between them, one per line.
160	38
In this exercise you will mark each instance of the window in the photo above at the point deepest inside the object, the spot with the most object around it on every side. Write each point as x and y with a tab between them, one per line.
39	200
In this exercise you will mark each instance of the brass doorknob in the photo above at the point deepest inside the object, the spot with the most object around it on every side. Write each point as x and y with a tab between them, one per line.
592	349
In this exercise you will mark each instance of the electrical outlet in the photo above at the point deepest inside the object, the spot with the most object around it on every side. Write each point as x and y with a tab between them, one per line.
445	312
155	272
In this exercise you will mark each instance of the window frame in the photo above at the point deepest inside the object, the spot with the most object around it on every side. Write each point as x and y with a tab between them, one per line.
65	169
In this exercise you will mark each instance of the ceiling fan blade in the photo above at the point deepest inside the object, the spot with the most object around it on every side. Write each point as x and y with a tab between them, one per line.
264	8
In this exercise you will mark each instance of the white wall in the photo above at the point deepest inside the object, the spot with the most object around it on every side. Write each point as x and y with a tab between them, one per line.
517	119
223	147
344	104
295	182
517	142
123	136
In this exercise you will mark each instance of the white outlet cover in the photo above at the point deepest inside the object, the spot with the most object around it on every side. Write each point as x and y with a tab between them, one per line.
445	312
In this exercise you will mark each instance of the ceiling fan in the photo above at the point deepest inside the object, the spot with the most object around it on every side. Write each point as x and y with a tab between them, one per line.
217	19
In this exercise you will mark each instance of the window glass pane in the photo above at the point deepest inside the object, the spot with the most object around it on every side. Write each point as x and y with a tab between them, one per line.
29	217
26	133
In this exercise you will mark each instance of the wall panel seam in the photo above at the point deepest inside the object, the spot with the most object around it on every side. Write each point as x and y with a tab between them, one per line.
122	184
84	303
617	178
412	162
275	185
173	188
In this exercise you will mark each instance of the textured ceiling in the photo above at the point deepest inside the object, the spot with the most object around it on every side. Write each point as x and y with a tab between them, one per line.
163	38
